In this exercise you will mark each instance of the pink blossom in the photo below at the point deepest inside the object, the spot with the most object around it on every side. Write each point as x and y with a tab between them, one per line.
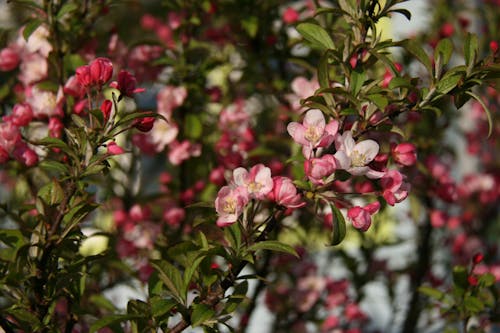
309	289
174	215
55	127
217	176
24	154
330	323
45	103
162	134
234	118
394	188
317	169
169	98
360	217
33	69
438	218
290	15
301	88
258	182
9	59
22	114
106	108
114	149
144	124
229	204
10	135
313	132
181	151
101	70
404	153
284	193
354	157
126	84
73	87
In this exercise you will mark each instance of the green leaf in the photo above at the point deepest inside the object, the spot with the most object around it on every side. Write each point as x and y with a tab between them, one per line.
192	126
444	49
251	25
358	78
339	228
379	100
448	82
273	246
201	313
487	280
471	49
399	82
414	47
54	166
171	277
473	304
486	110
66	8
316	35
14	240
161	306
323	77
460	277
51	193
190	269
431	292
112	320
31	27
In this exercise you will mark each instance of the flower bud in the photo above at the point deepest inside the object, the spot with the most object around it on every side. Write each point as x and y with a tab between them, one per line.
404	153
114	149
106	108
9	59
144	124
101	70
83	76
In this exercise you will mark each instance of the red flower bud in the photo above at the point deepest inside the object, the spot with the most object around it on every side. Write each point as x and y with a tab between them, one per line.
494	46
101	70
472	279
404	153
290	16
478	257
106	108
144	124
9	59
126	84
83	76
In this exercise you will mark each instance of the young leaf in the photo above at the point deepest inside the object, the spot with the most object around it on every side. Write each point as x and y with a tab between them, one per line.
273	246
339	229
112	320
416	50
316	35
66	8
357	79
448	82
431	292
444	49
486	110
171	277
201	313
30	28
471	49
